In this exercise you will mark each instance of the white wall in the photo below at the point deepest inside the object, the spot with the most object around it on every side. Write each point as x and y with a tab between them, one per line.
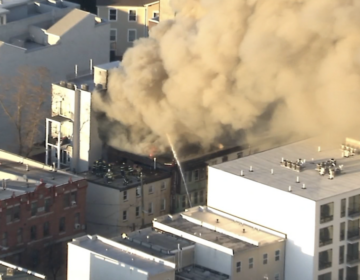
273	208
102	210
78	269
213	259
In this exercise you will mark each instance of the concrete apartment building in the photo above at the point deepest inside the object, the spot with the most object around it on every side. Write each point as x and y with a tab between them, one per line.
316	202
9	271
40	210
131	20
50	34
201	243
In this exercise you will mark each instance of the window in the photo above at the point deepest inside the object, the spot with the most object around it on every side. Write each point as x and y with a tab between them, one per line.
225	158
195	197
343	208
277	276
137	211
47	204
163	204
62	224
325	258
326	212
353	229
112	14
201	196
277	255
238	266
125	195
131	35
163	186
151	189
46	229
326	276
74	198
33	233
326	235
34	208
138	191
341	254
132	15
265	258
4	240
354	205
189	176
342	231
113	46
19	236
150	208
113	35
13	214
196	175
124	215
352	254
77	219
183	201
341	274
66	200
202	173
239	154
251	262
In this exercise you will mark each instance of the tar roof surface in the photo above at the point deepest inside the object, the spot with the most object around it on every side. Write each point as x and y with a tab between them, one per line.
200	273
129	3
101	248
152	242
317	187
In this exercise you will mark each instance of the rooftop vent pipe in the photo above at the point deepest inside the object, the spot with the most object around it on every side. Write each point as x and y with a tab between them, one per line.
297	179
241	173
251	168
272	171
290	190
319	149
303	186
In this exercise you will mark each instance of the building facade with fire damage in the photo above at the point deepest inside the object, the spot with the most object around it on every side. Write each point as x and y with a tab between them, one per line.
40	210
308	190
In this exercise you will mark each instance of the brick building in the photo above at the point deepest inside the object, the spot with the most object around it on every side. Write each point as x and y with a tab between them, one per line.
40	210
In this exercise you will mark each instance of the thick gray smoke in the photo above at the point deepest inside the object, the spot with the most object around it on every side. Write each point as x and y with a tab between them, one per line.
221	64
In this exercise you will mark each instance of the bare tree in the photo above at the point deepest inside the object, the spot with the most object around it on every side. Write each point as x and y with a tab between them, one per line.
23	99
54	260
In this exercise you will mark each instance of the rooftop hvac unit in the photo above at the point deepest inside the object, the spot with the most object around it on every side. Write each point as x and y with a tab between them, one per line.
85	87
63	83
70	85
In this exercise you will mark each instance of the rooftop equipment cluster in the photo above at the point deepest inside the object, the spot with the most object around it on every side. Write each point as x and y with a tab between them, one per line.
329	167
348	151
298	165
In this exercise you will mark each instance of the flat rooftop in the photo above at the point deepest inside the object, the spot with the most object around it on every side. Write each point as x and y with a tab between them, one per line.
223	229
109	65
10	271
200	273
317	187
15	174
154	242
101	246
132	175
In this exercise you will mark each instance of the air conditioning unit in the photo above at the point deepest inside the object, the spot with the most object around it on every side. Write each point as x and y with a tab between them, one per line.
77	226
73	202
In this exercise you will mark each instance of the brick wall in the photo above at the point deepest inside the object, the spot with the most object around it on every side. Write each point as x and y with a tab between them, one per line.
32	230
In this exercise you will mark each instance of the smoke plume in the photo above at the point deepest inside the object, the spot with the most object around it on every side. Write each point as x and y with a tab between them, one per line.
220	65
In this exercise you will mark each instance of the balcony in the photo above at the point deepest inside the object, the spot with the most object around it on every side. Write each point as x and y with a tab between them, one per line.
353	236
324	219
325	242
352	260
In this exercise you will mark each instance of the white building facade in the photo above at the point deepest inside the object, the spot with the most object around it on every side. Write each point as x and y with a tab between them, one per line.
320	215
